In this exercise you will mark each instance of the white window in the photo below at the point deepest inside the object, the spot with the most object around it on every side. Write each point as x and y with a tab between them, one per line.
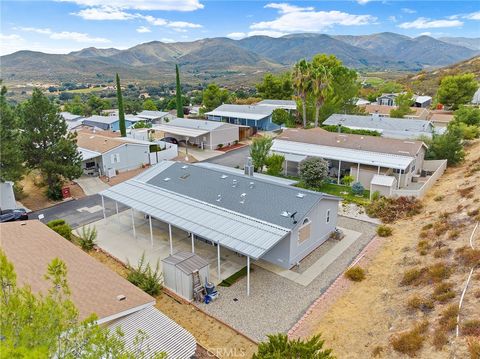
327	219
115	158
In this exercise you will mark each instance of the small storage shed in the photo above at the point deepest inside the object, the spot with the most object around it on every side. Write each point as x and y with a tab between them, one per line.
178	272
382	184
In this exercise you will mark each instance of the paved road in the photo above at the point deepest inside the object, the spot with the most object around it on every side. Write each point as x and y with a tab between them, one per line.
78	212
234	158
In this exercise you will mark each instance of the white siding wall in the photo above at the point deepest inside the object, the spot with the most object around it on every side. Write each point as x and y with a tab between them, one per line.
223	135
126	157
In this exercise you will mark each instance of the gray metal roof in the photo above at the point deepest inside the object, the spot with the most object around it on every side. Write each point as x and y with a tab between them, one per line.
250	112
102	122
197	124
70	116
389	127
151	115
163	334
187	262
285	104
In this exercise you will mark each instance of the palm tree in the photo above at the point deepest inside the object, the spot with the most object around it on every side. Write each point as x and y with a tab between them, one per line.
321	86
301	78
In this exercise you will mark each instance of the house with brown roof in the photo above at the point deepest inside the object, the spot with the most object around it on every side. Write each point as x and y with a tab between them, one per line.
360	156
384	111
107	155
95	289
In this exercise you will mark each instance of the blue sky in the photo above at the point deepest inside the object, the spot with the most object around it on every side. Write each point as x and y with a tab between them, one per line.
62	26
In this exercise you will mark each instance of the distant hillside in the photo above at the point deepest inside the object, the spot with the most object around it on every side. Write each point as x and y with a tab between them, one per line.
472	44
427	82
230	61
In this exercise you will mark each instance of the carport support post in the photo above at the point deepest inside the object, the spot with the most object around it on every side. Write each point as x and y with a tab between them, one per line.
170	237
151	230
339	169
193	244
378	172
116	206
218	262
103	209
358	171
133	224
248	276
286	166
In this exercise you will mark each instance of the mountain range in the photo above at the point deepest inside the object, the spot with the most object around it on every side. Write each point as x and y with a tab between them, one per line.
235	61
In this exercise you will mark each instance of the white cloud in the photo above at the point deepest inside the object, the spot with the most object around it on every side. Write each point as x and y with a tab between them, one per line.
104	13
173	5
425	23
363	2
237	35
66	35
286	8
143	29
473	16
180	26
183	25
407	10
267	33
155	20
304	19
11	43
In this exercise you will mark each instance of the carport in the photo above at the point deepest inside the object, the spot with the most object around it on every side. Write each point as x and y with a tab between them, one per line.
184	133
239	233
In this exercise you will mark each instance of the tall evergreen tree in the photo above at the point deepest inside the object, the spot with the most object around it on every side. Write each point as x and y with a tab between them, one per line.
11	159
179	94
47	145
302	83
121	112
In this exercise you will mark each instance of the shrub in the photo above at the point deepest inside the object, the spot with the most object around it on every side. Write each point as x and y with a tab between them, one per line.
348	180
410	342
144	277
87	238
438	272
441	227
357	189
467	256
441	252
391	209
453	234
448	318
377	351
355	273
422	247
274	164
418	303
427	226
471	327
439	198
439	338
412	276
313	171
280	346
61	227
375	195
384	231
443	292
473	345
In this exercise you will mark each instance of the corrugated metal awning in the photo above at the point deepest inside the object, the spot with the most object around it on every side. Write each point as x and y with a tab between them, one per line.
180	131
87	154
237	232
163	334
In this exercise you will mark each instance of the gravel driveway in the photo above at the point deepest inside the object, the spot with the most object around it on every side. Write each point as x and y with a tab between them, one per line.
276	303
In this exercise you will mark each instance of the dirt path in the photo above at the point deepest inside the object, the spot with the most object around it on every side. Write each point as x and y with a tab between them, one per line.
363	320
218	338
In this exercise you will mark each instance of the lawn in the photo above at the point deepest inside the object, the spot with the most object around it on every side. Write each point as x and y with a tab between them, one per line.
341	191
87	90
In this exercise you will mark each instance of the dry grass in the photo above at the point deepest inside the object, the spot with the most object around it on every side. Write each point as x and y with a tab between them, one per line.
411	341
416	302
471	328
443	292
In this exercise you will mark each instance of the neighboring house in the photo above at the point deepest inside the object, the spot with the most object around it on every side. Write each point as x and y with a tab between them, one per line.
288	105
422	101
257	117
102	155
362	102
7	196
95	289
476	97
155	116
440	118
67	116
362	157
109	123
384	111
202	133
254	217
401	128
387	99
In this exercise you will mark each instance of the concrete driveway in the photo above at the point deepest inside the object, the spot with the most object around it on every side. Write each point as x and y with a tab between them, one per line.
91	185
235	158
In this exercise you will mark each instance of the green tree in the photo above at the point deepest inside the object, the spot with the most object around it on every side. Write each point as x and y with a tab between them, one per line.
48	326
95	105
149	105
467	120
259	151
142	124
302	84
313	171
274	164
121	112
178	94
280	347
132	106
214	96
276	87
282	117
47	145
11	156
76	106
447	146
457	90
321	81
404	101
390	87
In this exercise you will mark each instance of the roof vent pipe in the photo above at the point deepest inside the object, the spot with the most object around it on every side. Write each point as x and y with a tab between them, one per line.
248	170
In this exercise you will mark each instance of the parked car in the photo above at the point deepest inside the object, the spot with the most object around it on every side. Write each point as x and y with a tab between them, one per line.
10	215
170	140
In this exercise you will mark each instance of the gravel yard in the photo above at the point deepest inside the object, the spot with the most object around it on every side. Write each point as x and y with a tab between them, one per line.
276	303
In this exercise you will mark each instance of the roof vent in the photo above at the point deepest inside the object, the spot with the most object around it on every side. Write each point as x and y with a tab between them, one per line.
301	195
185	167
285	214
185	176
219	198
224	176
251	185
166	179
234	183
242	197
121	297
